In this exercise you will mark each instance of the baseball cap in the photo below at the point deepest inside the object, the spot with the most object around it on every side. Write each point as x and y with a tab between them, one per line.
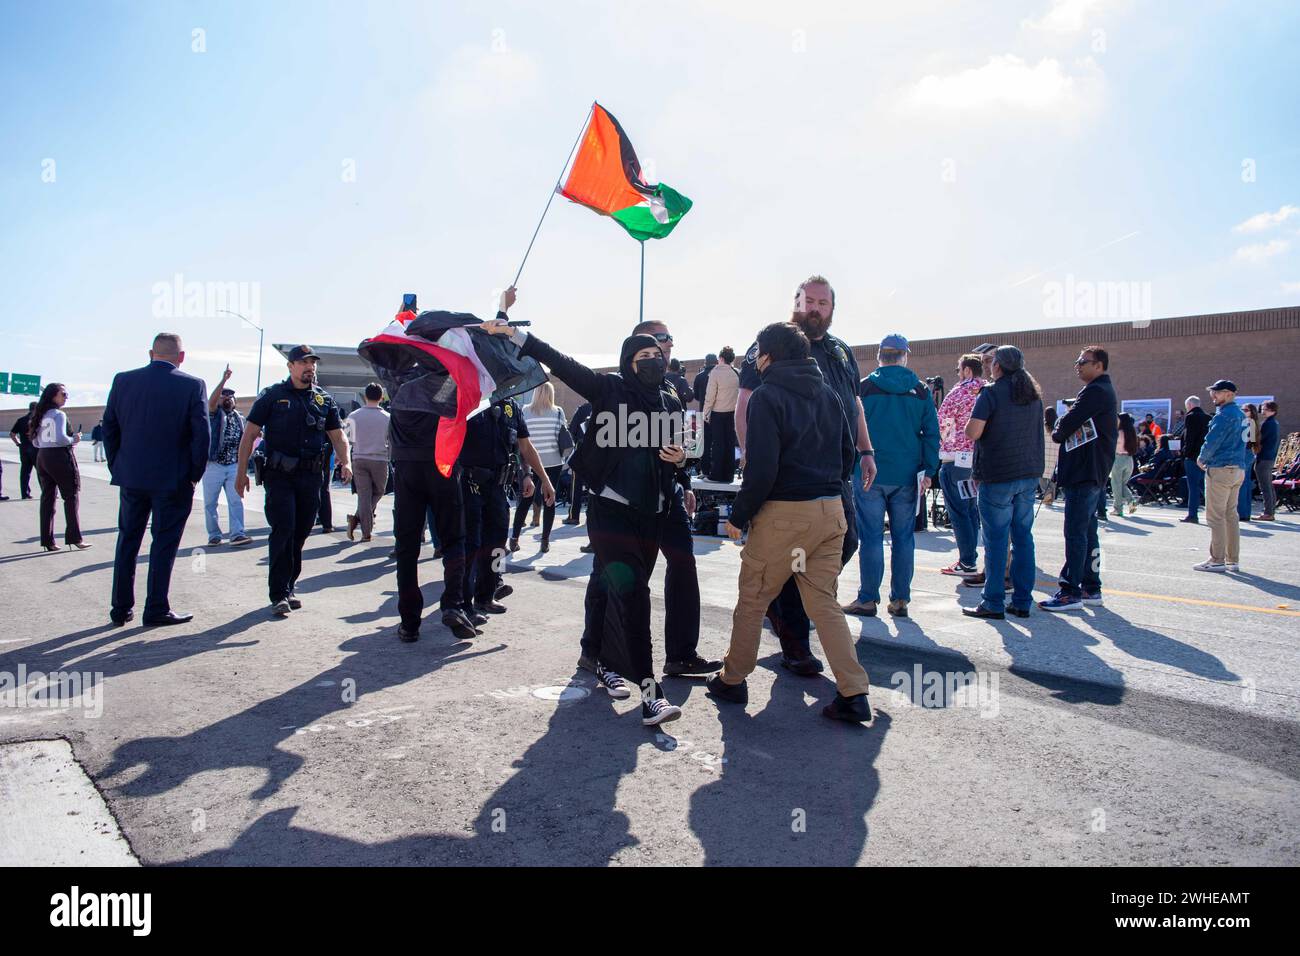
228	391
894	341
300	352
1223	385
986	347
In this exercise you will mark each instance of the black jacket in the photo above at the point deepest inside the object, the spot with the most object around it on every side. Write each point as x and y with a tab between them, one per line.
798	447
1092	461
684	392
592	462
702	385
1195	425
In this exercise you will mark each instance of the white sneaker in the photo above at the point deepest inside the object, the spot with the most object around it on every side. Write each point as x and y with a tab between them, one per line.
1232	567
1210	566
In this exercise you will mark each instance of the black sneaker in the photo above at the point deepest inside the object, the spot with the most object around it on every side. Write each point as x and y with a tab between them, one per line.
658	711
458	624
408	635
733	693
281	607
504	591
803	666
1190	520
294	603
491	607
613	683
855	709
588	549
695	666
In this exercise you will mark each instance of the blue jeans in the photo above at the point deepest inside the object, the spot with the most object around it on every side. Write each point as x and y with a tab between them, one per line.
1247	492
964	512
1007	510
215	478
900	500
1082	569
1195	486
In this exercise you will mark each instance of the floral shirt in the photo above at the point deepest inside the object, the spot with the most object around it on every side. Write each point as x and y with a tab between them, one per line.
954	413
228	450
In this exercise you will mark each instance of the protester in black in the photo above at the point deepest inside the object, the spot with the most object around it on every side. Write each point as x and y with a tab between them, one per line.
1195	427
629	461
26	451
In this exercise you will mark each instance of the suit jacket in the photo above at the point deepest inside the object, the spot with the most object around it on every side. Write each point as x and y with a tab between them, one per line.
156	428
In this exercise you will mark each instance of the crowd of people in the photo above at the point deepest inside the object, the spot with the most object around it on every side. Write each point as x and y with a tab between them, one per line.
829	460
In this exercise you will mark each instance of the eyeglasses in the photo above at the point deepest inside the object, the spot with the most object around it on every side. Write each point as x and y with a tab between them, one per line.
1079	362
662	337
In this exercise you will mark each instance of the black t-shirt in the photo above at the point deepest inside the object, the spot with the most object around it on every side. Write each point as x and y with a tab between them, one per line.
839	368
295	420
20	427
490	436
1012	445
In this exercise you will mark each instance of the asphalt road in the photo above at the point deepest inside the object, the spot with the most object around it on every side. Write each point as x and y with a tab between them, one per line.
1160	728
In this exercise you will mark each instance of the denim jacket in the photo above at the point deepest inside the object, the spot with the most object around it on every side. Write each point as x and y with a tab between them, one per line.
1224	445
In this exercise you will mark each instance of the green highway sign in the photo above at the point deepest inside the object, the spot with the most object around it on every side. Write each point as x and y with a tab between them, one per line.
4	383
20	384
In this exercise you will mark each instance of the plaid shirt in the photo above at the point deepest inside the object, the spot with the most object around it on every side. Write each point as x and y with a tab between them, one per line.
954	413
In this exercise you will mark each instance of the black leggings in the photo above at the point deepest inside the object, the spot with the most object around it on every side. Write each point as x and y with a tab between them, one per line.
548	512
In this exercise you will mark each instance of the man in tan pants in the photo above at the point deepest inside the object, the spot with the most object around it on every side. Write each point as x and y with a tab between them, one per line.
1220	458
799	451
367	429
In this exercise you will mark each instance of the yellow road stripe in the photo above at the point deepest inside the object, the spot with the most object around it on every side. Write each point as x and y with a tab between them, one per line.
1181	600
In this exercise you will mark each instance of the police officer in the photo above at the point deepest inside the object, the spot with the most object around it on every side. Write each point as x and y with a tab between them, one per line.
491	440
813	313
300	421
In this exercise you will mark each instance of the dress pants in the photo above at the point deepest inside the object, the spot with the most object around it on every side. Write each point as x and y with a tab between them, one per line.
57	474
326	503
166	513
681	589
27	464
722	451
1264	476
371	478
816	528
1195	486
786	612
627	544
418	485
487	514
292	500
548	511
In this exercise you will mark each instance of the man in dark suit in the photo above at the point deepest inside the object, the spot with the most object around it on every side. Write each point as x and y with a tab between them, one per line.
156	440
1195	427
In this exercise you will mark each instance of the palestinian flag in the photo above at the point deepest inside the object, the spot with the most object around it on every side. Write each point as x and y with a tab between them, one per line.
606	176
441	364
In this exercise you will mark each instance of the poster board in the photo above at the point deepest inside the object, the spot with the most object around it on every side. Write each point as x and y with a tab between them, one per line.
1140	408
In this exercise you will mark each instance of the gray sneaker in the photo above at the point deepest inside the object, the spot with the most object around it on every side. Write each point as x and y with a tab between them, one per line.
281	607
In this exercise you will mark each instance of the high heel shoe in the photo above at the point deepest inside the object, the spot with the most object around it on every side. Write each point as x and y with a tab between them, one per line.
50	547
82	545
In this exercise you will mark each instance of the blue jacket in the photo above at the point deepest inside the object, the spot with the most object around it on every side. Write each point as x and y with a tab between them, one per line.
156	428
903	423
1270	436
1224	445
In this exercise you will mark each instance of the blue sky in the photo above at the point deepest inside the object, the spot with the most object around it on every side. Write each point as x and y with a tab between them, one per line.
940	163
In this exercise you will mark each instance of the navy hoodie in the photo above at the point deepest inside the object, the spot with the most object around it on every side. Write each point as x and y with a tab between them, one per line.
798	446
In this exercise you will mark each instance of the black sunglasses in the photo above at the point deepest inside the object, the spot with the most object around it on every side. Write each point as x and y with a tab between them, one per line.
662	336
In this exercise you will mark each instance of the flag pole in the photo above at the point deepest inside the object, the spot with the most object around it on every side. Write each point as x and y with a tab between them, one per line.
553	192
642	313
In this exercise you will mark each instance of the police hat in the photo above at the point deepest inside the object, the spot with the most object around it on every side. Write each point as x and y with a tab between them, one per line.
1223	385
300	352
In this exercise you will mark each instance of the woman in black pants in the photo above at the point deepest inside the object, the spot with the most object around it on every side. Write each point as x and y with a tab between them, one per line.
630	466
56	467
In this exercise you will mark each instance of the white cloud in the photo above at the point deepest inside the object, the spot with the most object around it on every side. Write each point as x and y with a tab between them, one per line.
1065	16
1008	81
477	79
1267	220
1263	250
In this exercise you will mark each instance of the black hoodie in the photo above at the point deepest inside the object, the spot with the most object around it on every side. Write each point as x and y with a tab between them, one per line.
798	446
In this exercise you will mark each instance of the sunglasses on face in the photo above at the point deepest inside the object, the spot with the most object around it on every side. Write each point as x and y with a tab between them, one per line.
1080	362
662	337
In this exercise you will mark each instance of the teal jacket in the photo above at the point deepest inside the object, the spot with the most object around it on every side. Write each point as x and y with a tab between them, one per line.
903	423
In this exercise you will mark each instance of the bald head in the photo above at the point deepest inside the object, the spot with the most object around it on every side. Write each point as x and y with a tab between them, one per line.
167	348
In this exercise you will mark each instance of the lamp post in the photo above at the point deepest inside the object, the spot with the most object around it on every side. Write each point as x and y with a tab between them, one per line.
260	335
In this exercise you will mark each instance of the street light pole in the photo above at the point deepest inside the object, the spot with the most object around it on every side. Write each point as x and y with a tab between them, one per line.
261	334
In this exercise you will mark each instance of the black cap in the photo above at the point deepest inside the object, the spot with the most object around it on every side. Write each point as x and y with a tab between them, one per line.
1223	385
228	391
300	352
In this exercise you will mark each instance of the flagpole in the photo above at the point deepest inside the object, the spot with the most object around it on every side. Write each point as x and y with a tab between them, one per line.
553	192
642	314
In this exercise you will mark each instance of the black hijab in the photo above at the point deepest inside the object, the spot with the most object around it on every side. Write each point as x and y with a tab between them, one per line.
649	398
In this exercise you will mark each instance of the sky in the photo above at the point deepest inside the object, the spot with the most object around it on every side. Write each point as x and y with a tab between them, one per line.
951	168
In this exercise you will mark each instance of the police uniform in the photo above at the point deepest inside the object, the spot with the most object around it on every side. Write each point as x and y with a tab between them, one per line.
840	369
491	440
295	423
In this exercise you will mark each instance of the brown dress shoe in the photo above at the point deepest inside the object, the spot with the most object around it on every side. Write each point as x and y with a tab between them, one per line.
898	608
353	521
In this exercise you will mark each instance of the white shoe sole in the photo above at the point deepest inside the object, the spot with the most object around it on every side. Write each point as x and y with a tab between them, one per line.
665	715
619	693
1217	569
1057	610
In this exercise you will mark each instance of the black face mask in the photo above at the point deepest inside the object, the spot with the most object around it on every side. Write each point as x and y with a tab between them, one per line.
650	372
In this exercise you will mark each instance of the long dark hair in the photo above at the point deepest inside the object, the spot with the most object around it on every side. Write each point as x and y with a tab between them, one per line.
1129	432
1012	362
43	405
